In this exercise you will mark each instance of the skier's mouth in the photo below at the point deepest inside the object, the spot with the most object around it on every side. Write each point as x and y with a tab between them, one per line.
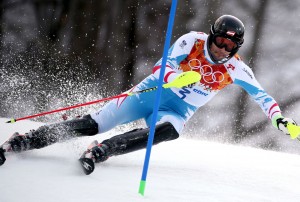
218	53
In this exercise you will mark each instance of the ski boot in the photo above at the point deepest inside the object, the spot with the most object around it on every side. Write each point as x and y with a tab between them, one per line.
16	143
2	156
94	154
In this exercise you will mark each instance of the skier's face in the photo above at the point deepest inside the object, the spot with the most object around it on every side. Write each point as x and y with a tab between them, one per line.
218	53
222	47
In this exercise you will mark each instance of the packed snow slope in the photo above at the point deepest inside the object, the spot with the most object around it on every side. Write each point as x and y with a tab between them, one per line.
181	170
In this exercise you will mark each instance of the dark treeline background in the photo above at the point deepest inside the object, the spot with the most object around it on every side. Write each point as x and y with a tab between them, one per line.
56	53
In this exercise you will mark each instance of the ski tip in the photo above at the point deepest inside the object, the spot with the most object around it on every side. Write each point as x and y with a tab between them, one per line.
87	165
2	157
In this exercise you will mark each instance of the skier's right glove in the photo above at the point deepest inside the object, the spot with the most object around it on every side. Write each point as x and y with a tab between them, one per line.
193	84
281	123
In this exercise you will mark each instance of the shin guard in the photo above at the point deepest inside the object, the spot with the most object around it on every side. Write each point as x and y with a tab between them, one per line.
137	139
49	134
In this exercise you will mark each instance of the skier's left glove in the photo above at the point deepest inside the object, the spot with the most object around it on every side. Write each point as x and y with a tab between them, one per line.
281	123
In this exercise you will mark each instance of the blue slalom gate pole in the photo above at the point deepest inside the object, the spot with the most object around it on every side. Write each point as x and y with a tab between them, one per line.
158	97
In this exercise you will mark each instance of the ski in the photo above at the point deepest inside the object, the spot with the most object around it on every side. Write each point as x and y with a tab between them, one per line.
86	161
5	147
87	165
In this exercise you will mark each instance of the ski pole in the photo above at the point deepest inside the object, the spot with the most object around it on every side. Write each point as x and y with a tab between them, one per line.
183	79
80	105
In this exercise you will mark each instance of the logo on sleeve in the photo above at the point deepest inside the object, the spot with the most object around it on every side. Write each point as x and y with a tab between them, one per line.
230	66
248	73
183	43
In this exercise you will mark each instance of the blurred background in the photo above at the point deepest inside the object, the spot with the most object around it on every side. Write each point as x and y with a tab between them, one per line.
56	53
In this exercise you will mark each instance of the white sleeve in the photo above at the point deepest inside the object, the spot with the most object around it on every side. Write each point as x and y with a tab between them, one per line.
177	53
244	77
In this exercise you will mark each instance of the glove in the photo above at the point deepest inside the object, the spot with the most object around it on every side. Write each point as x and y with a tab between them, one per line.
193	84
281	123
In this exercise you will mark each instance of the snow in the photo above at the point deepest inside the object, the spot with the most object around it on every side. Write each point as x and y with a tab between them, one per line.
180	170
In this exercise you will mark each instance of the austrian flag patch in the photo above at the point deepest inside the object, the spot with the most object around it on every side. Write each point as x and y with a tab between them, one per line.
230	33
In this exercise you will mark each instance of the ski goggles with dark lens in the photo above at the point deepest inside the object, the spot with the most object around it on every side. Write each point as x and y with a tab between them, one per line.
222	42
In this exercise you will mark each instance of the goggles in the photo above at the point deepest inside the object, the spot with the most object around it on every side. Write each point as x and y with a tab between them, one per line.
222	42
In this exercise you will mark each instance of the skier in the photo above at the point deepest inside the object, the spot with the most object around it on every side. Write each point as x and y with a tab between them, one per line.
214	56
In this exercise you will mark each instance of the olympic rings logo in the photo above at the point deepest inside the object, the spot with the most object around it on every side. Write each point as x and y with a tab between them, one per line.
216	76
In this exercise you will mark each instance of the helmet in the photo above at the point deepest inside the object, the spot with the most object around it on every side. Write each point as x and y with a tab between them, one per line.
229	27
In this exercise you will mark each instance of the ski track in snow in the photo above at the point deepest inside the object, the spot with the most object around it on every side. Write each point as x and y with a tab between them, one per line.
180	170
